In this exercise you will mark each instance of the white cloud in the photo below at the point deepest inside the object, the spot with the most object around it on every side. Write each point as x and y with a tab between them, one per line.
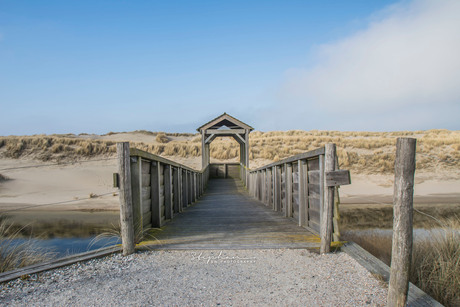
407	58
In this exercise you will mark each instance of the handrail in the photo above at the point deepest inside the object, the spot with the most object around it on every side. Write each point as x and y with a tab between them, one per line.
305	155
302	187
147	155
153	190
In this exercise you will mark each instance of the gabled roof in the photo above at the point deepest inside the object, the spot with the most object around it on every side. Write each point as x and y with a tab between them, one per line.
225	120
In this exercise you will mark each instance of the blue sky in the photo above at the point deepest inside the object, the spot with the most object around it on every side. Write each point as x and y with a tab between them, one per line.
100	66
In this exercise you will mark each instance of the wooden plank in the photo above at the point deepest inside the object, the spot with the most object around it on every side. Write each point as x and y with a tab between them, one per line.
146	179
314	176
146	194
313	164
337	178
145	166
147	207
314	188
126	200
147	220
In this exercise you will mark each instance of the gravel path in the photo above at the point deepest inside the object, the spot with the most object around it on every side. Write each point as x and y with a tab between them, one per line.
229	277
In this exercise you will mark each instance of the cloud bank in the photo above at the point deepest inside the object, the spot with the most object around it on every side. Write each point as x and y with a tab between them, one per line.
406	63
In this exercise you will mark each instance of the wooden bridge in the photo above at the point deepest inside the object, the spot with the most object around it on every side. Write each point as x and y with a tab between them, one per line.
226	217
291	203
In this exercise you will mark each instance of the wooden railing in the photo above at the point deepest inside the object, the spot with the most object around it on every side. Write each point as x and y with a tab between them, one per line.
303	187
154	189
224	170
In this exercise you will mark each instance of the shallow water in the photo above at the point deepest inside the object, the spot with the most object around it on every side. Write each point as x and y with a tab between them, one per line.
61	247
65	232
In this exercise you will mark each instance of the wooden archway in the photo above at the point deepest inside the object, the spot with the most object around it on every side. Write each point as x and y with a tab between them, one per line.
225	125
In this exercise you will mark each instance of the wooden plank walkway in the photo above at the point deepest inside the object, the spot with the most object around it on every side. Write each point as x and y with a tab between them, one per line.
226	217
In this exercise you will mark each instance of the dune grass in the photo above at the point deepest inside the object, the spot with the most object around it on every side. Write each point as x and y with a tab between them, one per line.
435	266
14	254
363	152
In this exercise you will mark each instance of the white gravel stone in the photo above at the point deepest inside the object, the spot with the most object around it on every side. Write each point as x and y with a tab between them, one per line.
211	278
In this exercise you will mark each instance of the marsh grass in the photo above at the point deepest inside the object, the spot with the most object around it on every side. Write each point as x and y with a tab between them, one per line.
114	232
14	255
436	263
435	266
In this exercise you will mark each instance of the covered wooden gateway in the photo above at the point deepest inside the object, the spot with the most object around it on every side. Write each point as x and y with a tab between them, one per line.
226	126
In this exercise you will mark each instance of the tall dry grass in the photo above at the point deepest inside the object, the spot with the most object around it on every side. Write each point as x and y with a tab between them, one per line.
363	152
435	266
14	254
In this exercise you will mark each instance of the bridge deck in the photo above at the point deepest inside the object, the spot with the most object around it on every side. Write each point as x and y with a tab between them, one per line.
226	217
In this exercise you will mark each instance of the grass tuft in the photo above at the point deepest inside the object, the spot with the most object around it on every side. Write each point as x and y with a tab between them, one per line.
14	255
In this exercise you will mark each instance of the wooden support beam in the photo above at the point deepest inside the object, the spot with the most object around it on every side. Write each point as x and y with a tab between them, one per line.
326	219
180	189
210	139
225	131
278	188
402	221
239	139
303	192
288	190
125	193
176	189
168	192
136	186
269	188
155	188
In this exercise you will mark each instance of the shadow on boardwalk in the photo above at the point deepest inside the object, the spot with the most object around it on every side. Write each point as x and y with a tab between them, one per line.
226	217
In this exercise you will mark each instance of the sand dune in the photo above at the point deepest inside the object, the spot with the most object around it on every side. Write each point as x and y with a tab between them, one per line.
88	185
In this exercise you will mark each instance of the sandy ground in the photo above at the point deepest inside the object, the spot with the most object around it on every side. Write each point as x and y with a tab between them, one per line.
88	186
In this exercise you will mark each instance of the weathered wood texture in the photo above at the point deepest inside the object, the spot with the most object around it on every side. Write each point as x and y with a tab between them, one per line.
225	170
402	221
227	217
159	188
126	202
299	188
328	211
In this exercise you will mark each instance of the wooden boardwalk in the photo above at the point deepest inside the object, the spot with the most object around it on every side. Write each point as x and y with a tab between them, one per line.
227	217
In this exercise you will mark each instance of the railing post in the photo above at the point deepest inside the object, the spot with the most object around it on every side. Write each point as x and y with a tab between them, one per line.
168	192
126	204
288	178
303	192
402	221
136	190
326	218
155	189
